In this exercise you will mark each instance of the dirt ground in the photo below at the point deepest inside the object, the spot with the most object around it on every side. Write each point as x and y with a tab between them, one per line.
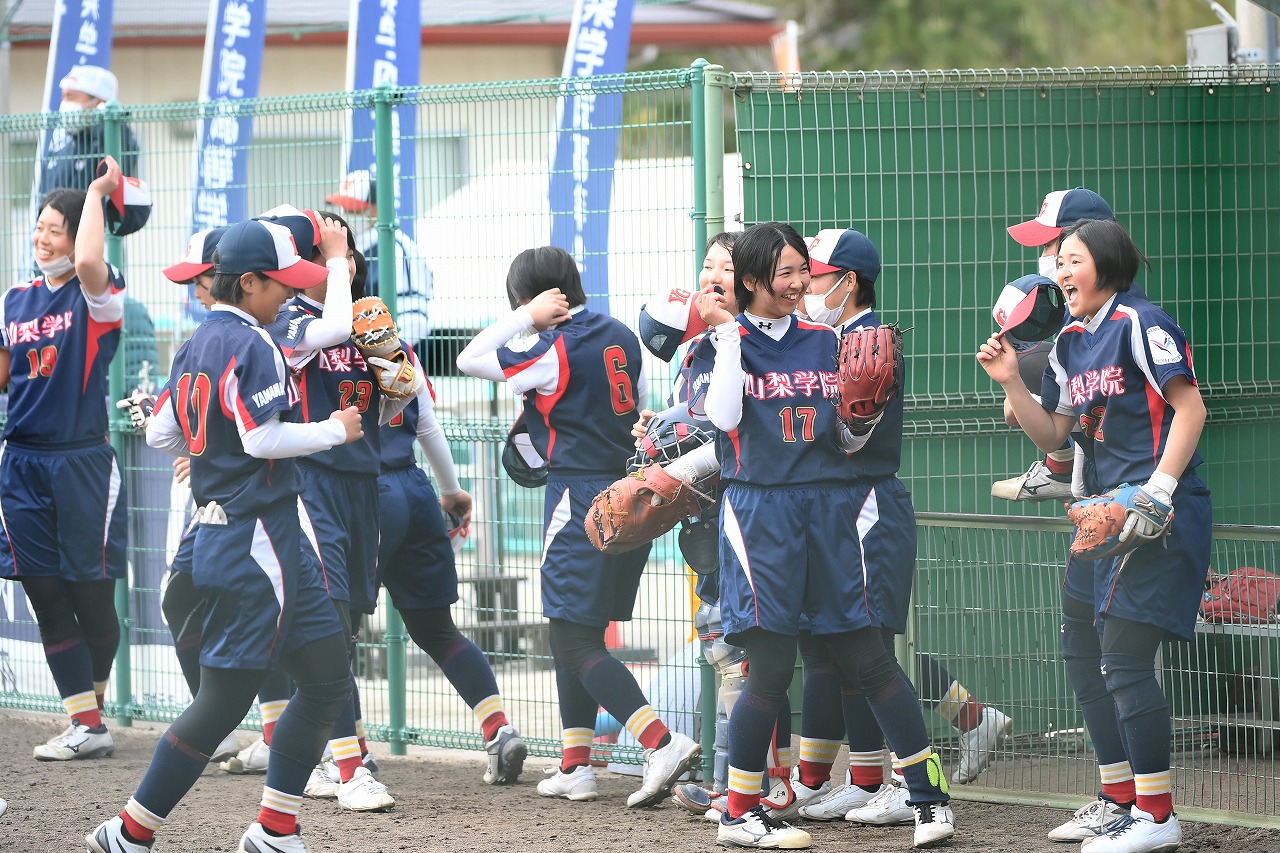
442	804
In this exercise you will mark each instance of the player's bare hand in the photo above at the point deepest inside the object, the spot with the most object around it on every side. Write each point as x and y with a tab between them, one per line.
712	307
641	426
548	308
459	506
182	469
999	360
333	238
106	182
350	420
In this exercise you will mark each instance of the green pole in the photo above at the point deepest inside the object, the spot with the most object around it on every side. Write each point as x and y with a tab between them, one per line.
388	268
713	83
119	424
698	98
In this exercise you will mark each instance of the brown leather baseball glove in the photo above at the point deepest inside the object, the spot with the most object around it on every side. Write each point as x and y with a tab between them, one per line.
638	509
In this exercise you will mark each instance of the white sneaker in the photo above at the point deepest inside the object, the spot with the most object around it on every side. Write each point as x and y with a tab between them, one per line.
507	752
887	808
935	823
838	801
258	840
1137	832
757	829
1037	485
324	781
579	784
76	742
363	793
227	749
109	838
1088	821
663	767
799	794
250	760
371	763
978	745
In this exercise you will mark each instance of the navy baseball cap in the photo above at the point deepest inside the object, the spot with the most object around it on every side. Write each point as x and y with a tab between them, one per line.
198	259
1030	309
128	207
841	250
267	248
1060	209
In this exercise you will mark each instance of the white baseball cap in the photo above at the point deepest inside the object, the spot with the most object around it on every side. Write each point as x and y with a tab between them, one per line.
92	80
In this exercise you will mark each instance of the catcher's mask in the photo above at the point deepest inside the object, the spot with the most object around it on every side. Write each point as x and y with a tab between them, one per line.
1029	310
523	462
671	434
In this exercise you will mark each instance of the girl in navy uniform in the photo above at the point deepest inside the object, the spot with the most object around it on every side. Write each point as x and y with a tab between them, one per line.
1120	375
766	379
62	501
229	405
582	377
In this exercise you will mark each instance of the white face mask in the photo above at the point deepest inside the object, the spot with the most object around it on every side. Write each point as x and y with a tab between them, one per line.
70	107
58	267
1049	267
815	307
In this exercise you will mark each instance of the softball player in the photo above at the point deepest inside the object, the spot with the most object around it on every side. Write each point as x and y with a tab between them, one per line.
339	498
581	376
1120	375
416	564
229	405
62	501
763	379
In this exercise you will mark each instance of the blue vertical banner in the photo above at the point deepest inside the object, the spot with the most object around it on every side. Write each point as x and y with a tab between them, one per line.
384	49
81	35
233	50
582	173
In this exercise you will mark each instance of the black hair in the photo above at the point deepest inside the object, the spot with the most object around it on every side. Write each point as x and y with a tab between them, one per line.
538	270
226	285
68	202
755	256
1115	257
725	239
362	266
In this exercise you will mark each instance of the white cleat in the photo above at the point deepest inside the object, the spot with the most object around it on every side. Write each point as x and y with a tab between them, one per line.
1137	832
76	742
363	793
838	801
579	784
887	808
109	837
797	792
1088	821
226	750
506	753
663	767
324	781
978	745
250	760
757	829
1037	485
258	840
935	823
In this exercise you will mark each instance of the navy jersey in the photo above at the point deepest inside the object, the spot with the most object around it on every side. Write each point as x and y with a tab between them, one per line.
58	360
594	363
231	370
789	430
881	457
331	379
1110	375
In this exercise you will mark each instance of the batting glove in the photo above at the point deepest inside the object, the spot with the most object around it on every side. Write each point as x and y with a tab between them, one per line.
1151	509
139	407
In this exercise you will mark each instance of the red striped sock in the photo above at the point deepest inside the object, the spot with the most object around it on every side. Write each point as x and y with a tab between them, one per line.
653	734
866	776
278	822
970	715
575	756
814	773
1159	806
92	719
739	803
135	830
1121	793
268	729
347	767
1056	467
492	723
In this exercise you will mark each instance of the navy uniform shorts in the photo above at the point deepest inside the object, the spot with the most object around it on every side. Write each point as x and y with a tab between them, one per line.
63	513
258	605
1161	582
579	583
186	547
340	516
841	556
415	556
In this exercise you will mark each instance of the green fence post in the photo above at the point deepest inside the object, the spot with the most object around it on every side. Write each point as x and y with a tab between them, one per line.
118	424
388	268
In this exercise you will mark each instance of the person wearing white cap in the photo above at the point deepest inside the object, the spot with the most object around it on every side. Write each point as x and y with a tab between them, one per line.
79	142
